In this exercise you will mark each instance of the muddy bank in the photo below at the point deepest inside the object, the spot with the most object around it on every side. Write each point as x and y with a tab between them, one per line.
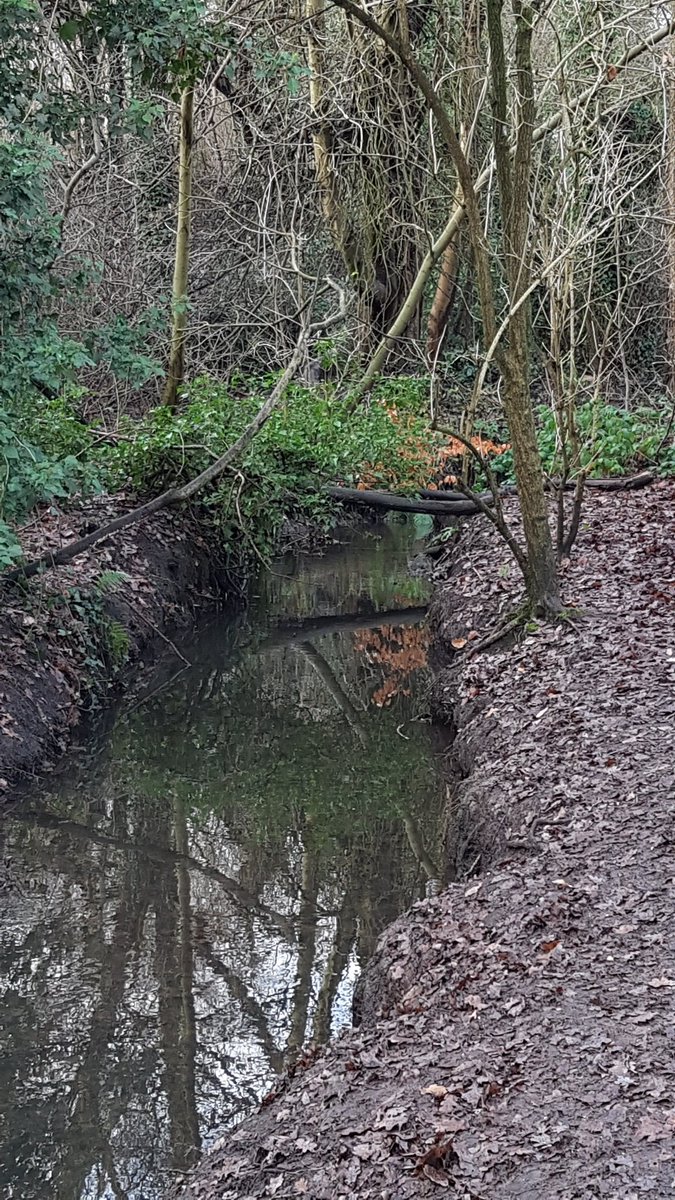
72	636
80	633
517	1036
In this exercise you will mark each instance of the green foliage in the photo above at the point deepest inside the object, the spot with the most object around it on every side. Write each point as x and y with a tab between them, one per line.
282	62
122	347
170	39
28	231
312	439
28	476
409	393
615	441
117	643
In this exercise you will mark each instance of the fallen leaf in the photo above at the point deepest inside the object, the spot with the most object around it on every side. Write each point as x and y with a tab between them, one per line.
458	643
436	1175
650	1130
364	1150
547	947
436	1090
475	1002
662	982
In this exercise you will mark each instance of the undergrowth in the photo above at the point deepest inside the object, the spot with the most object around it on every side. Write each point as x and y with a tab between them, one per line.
614	441
47	452
311	440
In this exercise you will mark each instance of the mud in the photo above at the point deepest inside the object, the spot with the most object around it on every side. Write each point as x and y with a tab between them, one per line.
72	636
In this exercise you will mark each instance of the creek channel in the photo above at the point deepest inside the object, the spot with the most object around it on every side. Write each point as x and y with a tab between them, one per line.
192	896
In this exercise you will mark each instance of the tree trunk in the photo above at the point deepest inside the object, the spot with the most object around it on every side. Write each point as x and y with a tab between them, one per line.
468	99
443	299
670	210
513	178
176	369
332	206
307	920
540	571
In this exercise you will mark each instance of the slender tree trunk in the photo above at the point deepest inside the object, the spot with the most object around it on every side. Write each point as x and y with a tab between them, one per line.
306	948
176	369
541	577
335	689
467	104
322	137
174	973
345	933
513	177
444	297
670	226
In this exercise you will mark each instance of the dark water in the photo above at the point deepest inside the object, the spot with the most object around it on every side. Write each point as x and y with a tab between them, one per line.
194	895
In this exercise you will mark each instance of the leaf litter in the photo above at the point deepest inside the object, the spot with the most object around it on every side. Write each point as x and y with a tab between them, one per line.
519	1026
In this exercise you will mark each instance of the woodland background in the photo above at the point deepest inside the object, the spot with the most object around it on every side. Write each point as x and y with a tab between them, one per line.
190	194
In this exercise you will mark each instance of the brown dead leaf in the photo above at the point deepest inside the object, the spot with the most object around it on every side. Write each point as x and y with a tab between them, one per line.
475	1001
436	1175
458	643
436	1090
547	947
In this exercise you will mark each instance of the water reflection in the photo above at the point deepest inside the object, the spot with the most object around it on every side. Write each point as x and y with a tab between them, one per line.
193	901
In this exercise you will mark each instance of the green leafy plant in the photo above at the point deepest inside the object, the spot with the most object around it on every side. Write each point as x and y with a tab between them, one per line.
311	440
615	441
28	477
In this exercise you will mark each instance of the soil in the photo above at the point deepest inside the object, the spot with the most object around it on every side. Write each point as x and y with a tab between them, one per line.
71	637
517	1033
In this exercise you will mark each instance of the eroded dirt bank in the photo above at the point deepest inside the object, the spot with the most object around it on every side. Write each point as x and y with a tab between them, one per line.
518	1035
67	638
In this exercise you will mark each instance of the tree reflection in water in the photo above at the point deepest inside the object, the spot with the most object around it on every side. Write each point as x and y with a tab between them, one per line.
186	908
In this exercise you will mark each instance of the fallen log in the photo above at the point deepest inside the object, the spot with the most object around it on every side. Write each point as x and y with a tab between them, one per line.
294	632
457	497
436	508
621	483
617	483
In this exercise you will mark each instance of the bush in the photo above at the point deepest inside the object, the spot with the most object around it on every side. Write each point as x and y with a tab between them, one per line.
614	441
311	440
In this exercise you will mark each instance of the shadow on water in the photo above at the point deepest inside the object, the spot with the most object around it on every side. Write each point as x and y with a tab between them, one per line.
192	900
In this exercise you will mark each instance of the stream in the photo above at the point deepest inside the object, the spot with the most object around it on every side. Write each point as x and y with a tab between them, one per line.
192	896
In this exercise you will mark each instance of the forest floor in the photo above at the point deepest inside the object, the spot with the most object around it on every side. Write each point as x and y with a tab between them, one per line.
518	1030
